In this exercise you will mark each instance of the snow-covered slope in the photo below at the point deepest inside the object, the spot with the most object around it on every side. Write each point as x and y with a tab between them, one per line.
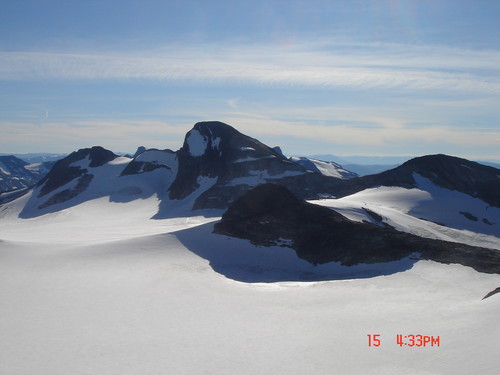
101	288
326	168
427	210
97	174
449	172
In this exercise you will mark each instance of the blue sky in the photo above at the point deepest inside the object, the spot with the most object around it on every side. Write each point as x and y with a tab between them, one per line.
334	77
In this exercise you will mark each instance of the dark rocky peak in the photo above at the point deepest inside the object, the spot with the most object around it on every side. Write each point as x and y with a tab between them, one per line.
215	150
63	171
449	172
270	215
139	151
99	156
455	173
214	138
272	199
11	162
262	200
279	151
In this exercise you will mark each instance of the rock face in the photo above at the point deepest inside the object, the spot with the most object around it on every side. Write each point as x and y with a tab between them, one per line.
230	160
271	215
65	171
493	292
73	167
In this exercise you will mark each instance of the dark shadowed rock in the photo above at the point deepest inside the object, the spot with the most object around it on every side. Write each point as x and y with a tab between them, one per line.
64	172
139	151
99	156
234	161
271	215
279	151
493	292
67	194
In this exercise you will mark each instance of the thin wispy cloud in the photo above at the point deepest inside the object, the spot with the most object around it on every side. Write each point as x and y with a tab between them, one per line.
126	135
388	132
118	135
347	66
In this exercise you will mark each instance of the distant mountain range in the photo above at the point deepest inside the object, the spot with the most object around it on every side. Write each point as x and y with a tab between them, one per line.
16	173
365	165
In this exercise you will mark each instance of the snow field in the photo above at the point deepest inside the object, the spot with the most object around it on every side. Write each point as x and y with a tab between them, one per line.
103	288
148	306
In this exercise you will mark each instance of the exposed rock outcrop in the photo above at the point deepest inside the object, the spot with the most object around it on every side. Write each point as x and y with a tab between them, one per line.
493	292
66	170
271	215
235	162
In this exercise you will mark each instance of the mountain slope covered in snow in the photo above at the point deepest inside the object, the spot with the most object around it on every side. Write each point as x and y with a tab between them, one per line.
326	168
16	173
102	287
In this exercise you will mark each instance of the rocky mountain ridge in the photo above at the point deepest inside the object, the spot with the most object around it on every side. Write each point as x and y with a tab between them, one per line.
217	164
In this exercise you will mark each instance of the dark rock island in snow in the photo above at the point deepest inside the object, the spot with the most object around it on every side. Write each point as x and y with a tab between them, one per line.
271	215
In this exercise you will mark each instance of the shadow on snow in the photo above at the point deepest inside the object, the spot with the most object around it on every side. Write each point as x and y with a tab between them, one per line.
239	260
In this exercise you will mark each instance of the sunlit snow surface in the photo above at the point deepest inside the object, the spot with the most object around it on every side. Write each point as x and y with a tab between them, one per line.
422	210
197	143
102	288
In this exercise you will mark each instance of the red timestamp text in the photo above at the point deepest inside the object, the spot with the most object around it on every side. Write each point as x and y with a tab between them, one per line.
408	340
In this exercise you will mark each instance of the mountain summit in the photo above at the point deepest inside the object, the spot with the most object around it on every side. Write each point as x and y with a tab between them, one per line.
216	155
449	172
